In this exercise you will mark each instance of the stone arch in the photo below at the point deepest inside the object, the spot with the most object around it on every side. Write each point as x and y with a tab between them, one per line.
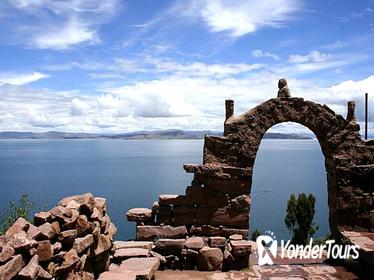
217	202
339	139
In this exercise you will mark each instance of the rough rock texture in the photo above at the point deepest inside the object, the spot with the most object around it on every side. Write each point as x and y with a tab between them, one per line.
139	215
210	259
121	275
67	242
11	268
144	268
30	271
194	243
132	244
153	232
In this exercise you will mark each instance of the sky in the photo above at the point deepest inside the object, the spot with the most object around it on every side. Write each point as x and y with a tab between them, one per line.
117	66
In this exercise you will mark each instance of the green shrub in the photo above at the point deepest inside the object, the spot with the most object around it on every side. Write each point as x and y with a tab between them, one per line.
22	208
299	218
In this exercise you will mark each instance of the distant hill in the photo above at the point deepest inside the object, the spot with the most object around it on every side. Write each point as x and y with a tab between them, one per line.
137	135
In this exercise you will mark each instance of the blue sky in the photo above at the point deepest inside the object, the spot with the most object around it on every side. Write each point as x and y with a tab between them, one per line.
113	66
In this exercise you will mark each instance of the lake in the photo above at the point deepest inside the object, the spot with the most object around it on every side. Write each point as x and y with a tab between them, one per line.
132	173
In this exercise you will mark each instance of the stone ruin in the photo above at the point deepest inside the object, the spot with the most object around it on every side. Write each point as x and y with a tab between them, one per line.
71	241
217	203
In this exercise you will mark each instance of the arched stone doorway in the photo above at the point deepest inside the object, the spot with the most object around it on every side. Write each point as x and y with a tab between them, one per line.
217	201
346	155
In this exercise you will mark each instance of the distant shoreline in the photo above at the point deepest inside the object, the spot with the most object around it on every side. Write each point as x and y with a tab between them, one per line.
139	135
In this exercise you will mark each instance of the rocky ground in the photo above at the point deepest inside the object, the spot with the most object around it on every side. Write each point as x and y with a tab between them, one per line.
292	272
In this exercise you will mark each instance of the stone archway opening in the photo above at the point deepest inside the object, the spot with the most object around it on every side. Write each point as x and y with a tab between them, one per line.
286	166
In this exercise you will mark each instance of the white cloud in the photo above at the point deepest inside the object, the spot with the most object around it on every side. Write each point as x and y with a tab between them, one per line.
79	107
185	102
57	24
313	56
166	66
356	15
21	78
241	17
260	53
74	32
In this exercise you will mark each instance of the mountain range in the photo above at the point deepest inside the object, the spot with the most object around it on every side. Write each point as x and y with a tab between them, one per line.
137	135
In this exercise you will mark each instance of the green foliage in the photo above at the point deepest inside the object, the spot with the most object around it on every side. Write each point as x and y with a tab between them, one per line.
299	218
22	208
255	234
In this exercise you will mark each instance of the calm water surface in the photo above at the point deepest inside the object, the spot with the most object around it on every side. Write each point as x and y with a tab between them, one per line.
133	173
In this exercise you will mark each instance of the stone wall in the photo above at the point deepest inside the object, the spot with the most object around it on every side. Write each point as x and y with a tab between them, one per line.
218	200
71	241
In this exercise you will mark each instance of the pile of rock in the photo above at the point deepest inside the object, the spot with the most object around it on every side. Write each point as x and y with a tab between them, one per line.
173	249
71	241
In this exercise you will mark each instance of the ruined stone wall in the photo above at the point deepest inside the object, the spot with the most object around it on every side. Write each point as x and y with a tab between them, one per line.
71	241
217	202
349	161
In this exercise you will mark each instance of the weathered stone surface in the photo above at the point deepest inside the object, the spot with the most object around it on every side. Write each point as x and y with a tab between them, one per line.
194	243
67	236
284	91
19	226
159	256
30	271
43	275
42	217
210	259
241	202
175	200
46	231
73	205
132	244
100	203
70	259
105	223
153	232
224	216
57	247
103	244
33	232
227	257
11	268
82	243
66	217
112	230
82	225
241	247
208	230
170	245
217	241
139	215
130	253
96	215
236	237
44	250
144	268
123	275
6	252
56	227
18	242
86	200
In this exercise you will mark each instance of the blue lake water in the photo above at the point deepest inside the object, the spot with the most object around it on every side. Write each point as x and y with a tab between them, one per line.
133	173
